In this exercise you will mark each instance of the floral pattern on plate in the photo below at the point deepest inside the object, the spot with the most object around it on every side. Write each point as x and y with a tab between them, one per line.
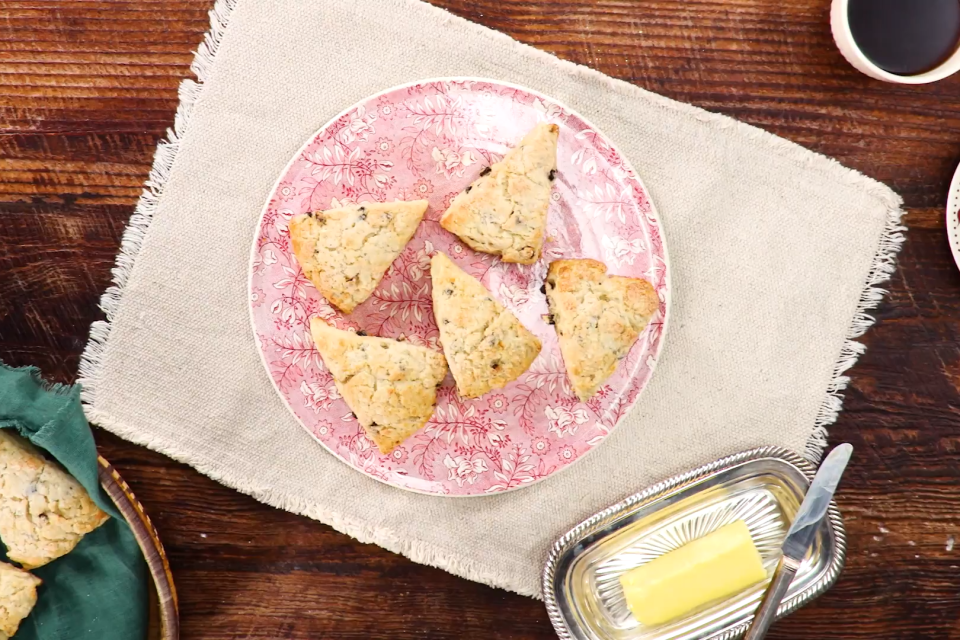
429	140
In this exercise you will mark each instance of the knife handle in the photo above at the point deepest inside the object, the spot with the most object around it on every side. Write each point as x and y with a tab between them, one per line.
767	613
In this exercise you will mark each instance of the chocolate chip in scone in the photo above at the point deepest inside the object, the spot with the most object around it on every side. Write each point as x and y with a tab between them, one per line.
445	321
361	333
467	190
448	292
485	171
553	175
548	318
543	288
495	364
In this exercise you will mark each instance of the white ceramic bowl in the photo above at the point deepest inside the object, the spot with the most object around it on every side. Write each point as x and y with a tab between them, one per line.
840	24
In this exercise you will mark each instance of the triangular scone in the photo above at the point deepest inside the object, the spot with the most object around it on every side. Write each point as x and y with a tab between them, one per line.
346	251
390	386
597	318
44	511
18	595
485	345
504	211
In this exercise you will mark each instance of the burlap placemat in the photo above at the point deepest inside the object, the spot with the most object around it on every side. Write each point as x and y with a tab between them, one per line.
775	255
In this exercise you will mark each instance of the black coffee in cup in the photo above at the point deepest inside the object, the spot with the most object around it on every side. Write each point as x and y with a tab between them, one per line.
906	37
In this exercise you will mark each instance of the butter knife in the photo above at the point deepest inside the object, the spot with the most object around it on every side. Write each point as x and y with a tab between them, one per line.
800	537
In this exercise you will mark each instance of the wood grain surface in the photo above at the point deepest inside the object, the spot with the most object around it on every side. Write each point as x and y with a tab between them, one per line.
88	87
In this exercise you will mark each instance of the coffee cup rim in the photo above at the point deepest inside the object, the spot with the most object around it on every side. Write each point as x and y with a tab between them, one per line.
843	36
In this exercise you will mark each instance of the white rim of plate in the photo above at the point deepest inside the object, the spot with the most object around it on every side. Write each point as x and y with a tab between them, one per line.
668	284
953	216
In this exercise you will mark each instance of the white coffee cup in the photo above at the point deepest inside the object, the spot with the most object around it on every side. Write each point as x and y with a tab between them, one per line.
843	36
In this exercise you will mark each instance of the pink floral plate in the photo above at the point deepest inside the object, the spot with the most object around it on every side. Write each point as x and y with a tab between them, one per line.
430	140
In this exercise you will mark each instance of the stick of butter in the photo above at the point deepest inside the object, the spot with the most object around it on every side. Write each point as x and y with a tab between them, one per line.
715	566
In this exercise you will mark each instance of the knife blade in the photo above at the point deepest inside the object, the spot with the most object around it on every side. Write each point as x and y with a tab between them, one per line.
800	536
815	503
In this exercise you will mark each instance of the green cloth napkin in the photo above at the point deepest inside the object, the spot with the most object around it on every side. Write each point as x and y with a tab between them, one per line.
99	590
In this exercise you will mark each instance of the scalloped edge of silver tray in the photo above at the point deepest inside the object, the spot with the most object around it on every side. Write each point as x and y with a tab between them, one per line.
583	537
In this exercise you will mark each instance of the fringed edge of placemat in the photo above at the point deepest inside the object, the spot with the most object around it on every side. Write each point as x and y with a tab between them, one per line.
884	264
134	235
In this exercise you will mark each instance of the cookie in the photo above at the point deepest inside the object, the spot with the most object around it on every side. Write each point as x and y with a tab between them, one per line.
485	345
504	211
18	595
390	386
44	511
597	318
346	251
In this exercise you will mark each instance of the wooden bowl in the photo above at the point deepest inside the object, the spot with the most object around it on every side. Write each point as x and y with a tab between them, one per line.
164	613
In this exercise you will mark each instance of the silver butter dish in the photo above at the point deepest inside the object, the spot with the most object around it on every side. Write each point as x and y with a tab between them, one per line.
764	487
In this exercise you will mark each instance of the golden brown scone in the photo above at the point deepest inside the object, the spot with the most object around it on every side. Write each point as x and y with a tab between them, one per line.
504	211
18	595
44	511
390	386
485	345
346	251
597	318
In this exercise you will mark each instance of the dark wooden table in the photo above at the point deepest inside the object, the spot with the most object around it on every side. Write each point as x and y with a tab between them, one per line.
88	87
